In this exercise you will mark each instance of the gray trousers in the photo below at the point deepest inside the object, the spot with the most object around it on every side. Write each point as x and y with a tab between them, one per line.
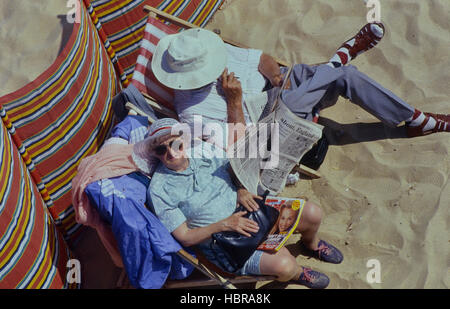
318	87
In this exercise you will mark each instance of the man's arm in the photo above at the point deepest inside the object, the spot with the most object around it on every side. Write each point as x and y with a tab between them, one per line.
232	89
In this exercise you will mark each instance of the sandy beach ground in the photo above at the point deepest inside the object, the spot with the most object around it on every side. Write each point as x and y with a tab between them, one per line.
32	34
385	198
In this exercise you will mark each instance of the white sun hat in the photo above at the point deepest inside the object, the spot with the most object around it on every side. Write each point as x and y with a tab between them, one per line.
190	59
141	155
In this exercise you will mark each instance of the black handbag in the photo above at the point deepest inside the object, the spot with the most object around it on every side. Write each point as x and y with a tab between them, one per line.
238	248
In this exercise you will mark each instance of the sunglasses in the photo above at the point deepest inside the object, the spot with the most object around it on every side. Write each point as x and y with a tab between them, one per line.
162	149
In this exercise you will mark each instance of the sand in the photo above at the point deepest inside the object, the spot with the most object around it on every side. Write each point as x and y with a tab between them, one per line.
32	33
385	198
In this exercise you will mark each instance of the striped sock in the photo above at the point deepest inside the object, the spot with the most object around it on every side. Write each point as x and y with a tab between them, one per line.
343	55
419	118
338	60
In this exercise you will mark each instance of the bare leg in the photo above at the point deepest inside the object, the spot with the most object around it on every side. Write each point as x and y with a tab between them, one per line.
283	265
309	225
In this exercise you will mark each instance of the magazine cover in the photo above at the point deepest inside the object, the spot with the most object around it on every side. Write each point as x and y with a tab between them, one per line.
290	211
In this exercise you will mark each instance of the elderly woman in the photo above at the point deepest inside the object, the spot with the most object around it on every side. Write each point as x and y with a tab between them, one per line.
193	195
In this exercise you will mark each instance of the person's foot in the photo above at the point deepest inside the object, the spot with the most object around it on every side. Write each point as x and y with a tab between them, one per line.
325	252
312	279
427	123
368	37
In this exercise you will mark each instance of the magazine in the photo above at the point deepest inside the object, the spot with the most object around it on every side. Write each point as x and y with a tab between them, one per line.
282	140
290	211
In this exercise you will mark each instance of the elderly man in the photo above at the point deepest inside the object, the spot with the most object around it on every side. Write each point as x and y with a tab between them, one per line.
193	195
215	80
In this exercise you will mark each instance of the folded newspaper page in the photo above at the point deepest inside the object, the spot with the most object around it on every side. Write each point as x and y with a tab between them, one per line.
268	152
296	137
255	105
246	165
290	211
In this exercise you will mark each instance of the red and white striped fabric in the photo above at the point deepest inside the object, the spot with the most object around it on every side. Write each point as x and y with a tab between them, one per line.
143	78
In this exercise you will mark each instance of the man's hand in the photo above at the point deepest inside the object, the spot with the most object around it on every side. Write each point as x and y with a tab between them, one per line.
247	199
277	80
271	70
232	89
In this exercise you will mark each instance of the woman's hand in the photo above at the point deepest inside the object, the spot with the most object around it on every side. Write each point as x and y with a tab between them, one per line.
237	223
247	199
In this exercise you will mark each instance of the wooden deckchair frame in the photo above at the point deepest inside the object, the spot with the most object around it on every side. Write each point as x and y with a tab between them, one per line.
214	276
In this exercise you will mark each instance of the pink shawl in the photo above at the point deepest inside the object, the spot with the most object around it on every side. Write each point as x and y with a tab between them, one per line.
112	160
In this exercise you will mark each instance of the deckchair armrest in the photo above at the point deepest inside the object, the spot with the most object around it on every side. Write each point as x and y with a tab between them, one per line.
211	274
158	107
133	109
215	277
309	171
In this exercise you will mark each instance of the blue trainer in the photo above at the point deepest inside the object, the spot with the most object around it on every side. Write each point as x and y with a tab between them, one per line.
312	279
326	252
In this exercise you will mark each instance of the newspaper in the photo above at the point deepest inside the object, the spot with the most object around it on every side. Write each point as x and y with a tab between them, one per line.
255	105
262	104
282	138
290	211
